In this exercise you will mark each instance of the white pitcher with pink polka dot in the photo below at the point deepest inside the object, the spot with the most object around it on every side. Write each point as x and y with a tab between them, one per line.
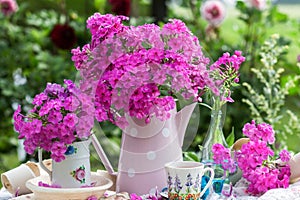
146	148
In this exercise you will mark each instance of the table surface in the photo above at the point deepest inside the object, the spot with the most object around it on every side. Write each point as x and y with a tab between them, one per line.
290	193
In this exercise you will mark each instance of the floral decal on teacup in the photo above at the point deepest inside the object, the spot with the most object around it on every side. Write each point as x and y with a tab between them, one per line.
79	174
178	192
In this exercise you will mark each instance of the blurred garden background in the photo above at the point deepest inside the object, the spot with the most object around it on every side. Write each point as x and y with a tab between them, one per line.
36	38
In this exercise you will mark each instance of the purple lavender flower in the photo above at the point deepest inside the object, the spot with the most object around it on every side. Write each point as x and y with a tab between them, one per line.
169	182
189	183
177	184
197	183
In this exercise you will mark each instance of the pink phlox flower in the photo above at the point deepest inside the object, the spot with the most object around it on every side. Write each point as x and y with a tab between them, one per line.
29	146
70	120
213	11
251	131
84	126
44	109
284	176
54	116
285	156
18	119
26	130
261	131
69	138
104	26
175	26
52	130
8	7
36	125
53	89
58	150
39	99
225	73
97	22
222	155
134	196
266	132
129	59
80	57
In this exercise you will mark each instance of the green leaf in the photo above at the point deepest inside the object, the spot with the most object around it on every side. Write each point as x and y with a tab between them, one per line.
100	5
230	138
191	156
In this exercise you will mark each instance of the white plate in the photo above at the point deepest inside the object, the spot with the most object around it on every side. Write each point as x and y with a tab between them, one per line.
47	193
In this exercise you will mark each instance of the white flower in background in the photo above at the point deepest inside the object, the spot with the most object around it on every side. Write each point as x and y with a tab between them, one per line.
213	11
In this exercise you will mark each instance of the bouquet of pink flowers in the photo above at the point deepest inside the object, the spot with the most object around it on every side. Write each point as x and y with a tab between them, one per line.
139	71
256	159
60	116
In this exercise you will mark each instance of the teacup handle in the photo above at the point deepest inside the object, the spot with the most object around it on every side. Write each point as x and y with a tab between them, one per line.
209	183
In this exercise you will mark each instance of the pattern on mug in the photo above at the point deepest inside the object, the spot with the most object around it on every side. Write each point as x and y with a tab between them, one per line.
79	174
177	192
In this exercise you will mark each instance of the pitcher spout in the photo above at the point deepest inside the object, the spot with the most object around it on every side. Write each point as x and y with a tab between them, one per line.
182	119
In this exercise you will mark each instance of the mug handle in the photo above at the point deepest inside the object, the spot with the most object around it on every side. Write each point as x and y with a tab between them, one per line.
209	183
40	157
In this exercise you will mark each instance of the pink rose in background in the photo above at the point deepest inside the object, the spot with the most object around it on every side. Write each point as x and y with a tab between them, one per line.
258	4
213	11
8	7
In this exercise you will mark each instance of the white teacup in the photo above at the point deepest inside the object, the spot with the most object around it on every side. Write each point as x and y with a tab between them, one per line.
184	179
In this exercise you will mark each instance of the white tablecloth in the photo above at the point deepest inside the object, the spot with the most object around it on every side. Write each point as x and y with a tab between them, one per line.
291	193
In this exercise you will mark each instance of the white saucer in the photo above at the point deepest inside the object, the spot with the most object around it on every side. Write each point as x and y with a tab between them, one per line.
48	193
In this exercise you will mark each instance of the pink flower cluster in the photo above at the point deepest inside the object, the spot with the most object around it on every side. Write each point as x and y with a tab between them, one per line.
222	156
226	73
138	71
256	159
59	117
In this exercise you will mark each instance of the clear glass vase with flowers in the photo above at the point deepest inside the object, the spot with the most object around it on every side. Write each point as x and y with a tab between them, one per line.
225	72
59	123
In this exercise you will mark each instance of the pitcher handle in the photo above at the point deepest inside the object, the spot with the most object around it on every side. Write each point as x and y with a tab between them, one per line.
209	183
40	156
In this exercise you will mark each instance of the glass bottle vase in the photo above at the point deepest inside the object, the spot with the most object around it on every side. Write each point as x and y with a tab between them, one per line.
215	130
